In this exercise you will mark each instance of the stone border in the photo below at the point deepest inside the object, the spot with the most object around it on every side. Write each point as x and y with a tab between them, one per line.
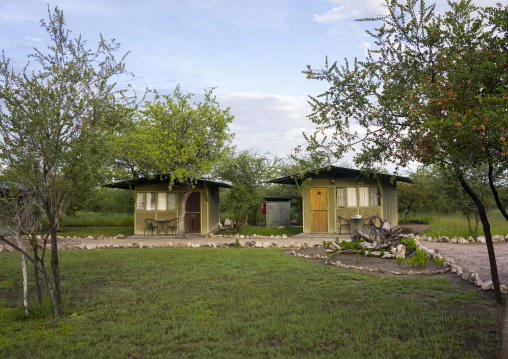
459	240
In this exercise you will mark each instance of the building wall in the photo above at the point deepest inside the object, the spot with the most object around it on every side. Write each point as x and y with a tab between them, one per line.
213	208
278	214
386	210
140	216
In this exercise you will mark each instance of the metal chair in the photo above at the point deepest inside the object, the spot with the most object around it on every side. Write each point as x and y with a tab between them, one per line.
150	225
173	224
343	222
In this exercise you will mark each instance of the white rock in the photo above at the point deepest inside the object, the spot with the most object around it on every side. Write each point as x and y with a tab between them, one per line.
444	239
281	227
506	238
454	240
462	241
228	222
459	272
401	251
141	245
481	239
284	236
267	245
120	236
503	288
497	238
258	244
488	285
91	246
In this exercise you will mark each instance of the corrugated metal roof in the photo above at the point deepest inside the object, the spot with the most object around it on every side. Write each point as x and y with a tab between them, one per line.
125	184
334	172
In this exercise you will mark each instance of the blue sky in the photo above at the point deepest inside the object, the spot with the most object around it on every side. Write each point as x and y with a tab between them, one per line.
253	52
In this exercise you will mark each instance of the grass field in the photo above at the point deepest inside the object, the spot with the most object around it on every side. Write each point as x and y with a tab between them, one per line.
239	303
263	231
456	225
90	219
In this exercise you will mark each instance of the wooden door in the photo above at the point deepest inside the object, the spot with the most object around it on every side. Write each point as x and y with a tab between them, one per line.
193	213
318	210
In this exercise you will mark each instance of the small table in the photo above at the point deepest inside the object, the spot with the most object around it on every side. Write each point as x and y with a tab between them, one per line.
356	219
162	226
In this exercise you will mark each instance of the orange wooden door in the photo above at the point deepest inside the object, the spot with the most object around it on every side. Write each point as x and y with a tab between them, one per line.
318	210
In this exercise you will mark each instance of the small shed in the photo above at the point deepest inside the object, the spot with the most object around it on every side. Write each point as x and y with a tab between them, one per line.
155	201
278	211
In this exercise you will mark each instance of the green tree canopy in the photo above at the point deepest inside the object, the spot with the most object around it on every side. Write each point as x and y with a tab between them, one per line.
56	120
432	90
179	139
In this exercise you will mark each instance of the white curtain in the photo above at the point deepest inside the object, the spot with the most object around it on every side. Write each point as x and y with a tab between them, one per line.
351	197
171	201
364	196
150	201
161	201
140	201
341	197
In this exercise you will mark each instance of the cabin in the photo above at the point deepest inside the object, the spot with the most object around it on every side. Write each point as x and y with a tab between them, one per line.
154	202
334	195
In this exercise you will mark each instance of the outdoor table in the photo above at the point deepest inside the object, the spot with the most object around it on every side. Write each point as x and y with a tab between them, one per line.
162	226
357	220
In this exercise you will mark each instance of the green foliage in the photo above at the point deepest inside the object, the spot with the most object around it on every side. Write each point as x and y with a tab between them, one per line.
382	251
237	243
263	231
247	172
350	245
176	139
104	200
439	261
399	260
409	242
421	258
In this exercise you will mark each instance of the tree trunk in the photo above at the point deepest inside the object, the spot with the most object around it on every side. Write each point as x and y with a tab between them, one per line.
33	243
55	266
494	192
40	268
181	218
25	276
502	324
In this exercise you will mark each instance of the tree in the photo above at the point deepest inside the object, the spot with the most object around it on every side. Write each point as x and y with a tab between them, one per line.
55	121
416	196
434	90
176	139
247	172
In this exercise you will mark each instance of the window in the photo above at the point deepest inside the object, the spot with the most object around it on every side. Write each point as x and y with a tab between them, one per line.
341	197
364	196
161	201
358	197
375	198
140	201
352	201
150	201
171	203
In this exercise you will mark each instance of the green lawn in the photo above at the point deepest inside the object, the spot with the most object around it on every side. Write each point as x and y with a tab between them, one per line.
96	231
263	231
456	225
239	303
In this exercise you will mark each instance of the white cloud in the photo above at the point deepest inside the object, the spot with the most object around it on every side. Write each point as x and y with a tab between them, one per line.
334	15
270	123
33	38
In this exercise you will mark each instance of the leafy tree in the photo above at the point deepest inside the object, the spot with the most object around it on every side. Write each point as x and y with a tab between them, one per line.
55	121
247	172
434	90
173	137
418	195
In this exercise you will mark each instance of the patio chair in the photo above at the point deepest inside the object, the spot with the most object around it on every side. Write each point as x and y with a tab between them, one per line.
173	224
150	225
343	222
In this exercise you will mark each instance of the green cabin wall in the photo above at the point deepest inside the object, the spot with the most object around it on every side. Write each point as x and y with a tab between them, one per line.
387	210
209	206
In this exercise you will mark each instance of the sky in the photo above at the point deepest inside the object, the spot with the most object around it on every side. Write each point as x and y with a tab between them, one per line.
252	52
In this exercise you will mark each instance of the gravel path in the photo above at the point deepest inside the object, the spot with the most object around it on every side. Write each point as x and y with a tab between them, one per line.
474	257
